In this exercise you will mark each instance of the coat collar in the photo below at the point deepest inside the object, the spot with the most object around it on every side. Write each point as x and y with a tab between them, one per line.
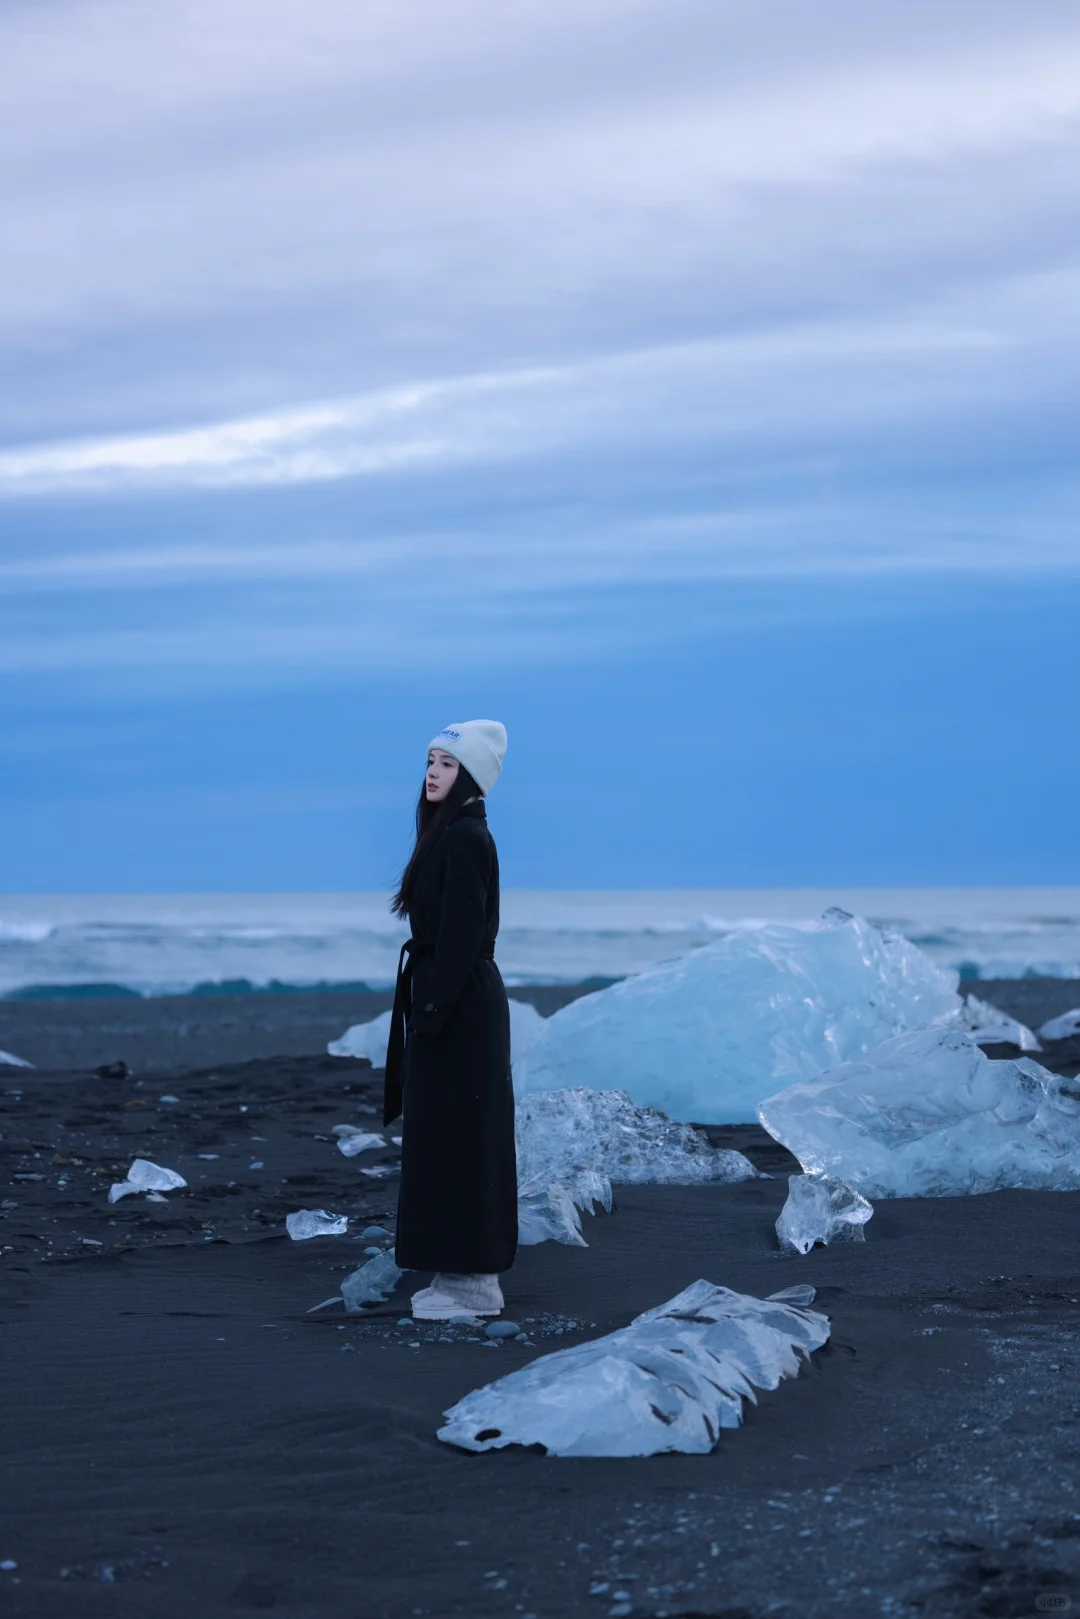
472	808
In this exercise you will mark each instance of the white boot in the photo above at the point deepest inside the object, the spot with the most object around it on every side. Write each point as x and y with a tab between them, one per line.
451	1295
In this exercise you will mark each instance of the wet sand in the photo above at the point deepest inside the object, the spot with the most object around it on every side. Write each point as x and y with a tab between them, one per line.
182	1438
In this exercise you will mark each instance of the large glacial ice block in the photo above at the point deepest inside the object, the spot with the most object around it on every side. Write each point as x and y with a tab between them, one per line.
929	1115
668	1382
709	1035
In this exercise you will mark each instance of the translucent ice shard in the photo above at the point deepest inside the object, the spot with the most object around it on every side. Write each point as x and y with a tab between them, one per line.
709	1035
548	1209
818	1210
8	1059
307	1223
668	1382
371	1283
990	1026
143	1176
369	1039
352	1140
930	1115
1063	1027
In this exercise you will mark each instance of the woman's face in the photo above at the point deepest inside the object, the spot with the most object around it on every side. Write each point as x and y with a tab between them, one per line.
442	769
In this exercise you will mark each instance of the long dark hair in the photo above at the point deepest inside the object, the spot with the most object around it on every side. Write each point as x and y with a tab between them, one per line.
430	820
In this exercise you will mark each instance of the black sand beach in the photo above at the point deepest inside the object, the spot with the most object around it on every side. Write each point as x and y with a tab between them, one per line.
183	1438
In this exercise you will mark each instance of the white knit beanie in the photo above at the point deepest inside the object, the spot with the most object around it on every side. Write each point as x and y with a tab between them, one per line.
479	745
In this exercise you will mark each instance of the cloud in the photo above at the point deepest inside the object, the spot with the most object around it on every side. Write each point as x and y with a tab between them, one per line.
317	317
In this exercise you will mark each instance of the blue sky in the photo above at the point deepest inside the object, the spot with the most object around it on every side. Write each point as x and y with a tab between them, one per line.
692	385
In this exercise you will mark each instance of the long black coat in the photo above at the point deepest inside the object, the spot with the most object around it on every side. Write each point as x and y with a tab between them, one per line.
457	1208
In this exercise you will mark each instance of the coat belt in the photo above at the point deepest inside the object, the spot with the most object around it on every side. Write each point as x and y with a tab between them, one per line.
399	1018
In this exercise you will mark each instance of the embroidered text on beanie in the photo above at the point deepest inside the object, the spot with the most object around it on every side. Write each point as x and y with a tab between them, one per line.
479	745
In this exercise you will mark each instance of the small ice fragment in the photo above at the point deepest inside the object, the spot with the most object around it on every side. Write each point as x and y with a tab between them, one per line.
1063	1027
371	1283
9	1060
168	1099
988	1025
337	1299
818	1210
464	1321
8	1564
156	1197
256	1163
352	1140
143	1176
550	1213
307	1223
208	1155
668	1382
800	1295
502	1329
396	1140
373	1251
371	1232
378	1170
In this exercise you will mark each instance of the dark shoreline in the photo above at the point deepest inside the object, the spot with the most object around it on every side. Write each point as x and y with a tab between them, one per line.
191	1031
182	1437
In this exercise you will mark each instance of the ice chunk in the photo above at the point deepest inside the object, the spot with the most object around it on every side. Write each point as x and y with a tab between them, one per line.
352	1140
560	1131
9	1060
990	1026
1063	1027
572	1144
143	1176
371	1283
930	1115
526	1026
364	1040
307	1223
548	1210
709	1035
668	1382
369	1039
819	1209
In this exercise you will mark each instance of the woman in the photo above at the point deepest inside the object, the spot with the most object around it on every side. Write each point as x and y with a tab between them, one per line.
448	1062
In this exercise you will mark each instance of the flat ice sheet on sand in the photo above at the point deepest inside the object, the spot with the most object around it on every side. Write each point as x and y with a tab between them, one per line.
708	1036
572	1144
668	1382
929	1115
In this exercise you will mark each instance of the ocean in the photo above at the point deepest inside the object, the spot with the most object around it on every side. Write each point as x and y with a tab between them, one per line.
146	944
